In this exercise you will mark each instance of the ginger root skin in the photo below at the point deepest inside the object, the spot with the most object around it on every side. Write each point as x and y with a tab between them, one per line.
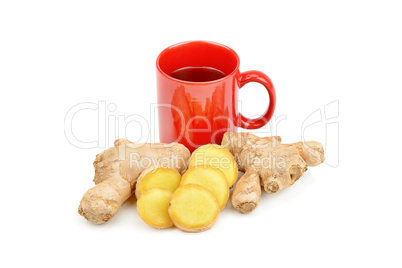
247	193
276	165
117	170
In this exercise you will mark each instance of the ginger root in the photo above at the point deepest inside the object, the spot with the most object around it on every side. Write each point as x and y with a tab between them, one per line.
247	193
117	170
152	207
210	178
268	162
192	208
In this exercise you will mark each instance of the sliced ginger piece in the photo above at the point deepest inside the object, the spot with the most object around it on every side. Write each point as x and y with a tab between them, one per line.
217	157
152	207
210	178
158	177
193	208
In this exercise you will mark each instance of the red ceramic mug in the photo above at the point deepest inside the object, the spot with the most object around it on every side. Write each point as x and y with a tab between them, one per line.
198	84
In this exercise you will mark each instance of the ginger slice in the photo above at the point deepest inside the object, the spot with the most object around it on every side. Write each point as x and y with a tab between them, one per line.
210	178
152	207
158	177
217	157
192	208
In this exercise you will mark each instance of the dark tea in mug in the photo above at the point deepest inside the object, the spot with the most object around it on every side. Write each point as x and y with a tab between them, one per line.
197	74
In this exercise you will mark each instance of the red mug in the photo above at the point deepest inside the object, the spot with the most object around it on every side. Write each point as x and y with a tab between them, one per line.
198	84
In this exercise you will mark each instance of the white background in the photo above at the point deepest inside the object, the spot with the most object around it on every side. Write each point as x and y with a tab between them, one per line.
56	54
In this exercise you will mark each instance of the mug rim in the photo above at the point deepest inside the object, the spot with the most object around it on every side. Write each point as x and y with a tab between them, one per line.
192	82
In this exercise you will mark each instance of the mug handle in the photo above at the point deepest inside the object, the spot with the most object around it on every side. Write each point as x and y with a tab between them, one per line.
259	77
